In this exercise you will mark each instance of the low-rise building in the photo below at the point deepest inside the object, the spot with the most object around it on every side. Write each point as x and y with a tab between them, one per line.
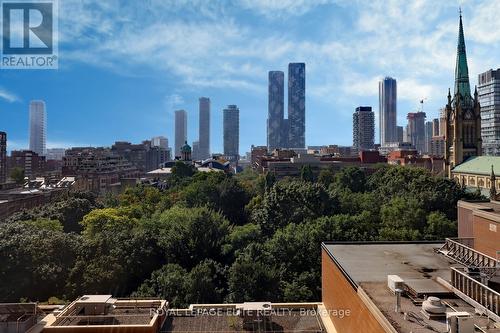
32	164
98	170
479	223
404	287
411	158
105	314
291	167
476	173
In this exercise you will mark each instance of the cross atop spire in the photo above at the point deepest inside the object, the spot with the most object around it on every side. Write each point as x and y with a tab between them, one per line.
462	85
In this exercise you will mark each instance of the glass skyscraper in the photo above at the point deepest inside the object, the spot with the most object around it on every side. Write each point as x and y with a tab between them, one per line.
387	110
363	129
180	130
275	123
204	129
231	127
38	127
489	99
296	105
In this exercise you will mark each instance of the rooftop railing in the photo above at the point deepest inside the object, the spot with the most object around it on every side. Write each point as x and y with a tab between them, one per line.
461	251
486	297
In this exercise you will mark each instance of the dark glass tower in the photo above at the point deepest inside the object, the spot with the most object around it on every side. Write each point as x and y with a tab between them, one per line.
231	124
296	105
275	114
204	129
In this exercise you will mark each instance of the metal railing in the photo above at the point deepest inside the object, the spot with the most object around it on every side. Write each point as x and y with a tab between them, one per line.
488	298
461	251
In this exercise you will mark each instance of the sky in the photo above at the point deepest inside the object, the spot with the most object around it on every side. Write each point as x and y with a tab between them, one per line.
125	66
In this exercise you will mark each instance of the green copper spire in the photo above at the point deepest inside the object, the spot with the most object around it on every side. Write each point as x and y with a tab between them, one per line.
462	85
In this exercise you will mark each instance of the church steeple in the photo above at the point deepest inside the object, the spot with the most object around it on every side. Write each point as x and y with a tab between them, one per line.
462	85
463	113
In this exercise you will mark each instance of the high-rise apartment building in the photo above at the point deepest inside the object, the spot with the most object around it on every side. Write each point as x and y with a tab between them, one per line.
400	134
38	127
231	128
204	129
159	141
180	130
489	99
3	157
195	151
429	127
363	129
416	130
275	113
387	110
435	127
296	105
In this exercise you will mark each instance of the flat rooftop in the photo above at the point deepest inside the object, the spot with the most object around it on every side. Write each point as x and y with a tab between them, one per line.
372	262
366	265
226	319
106	311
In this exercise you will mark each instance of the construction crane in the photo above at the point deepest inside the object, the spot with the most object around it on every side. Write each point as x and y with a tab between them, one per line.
422	104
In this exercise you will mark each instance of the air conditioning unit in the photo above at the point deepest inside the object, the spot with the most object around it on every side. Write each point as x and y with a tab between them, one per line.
459	322
395	282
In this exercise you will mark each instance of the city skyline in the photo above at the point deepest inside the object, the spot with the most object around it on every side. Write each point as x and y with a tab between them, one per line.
337	81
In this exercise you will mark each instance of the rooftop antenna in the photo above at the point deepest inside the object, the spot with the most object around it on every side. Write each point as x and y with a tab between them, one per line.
422	104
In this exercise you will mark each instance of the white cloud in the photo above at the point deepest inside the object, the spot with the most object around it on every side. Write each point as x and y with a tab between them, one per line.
8	96
413	41
281	8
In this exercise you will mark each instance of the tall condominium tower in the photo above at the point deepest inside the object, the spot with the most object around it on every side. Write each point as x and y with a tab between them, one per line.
387	90
38	127
400	134
435	127
429	128
275	113
231	128
416	130
3	157
204	129
363	129
489	99
296	105
180	130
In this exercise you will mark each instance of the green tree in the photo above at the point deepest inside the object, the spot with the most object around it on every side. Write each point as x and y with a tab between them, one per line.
306	173
168	282
35	261
46	224
189	235
206	283
182	170
439	226
326	177
17	175
403	212
252	278
352	178
292	202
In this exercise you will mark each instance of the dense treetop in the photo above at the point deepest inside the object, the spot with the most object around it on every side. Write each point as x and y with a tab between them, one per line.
212	237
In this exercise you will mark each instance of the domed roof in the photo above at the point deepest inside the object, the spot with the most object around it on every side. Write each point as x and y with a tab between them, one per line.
186	148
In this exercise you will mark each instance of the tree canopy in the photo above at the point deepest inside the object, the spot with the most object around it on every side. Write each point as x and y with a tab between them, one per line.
213	237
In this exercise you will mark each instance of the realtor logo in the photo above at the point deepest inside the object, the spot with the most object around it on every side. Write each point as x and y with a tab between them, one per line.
29	34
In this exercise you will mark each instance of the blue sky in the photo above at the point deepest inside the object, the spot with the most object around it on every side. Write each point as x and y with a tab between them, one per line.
125	66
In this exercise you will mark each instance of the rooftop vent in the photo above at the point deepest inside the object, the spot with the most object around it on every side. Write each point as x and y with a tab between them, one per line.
92	305
459	322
